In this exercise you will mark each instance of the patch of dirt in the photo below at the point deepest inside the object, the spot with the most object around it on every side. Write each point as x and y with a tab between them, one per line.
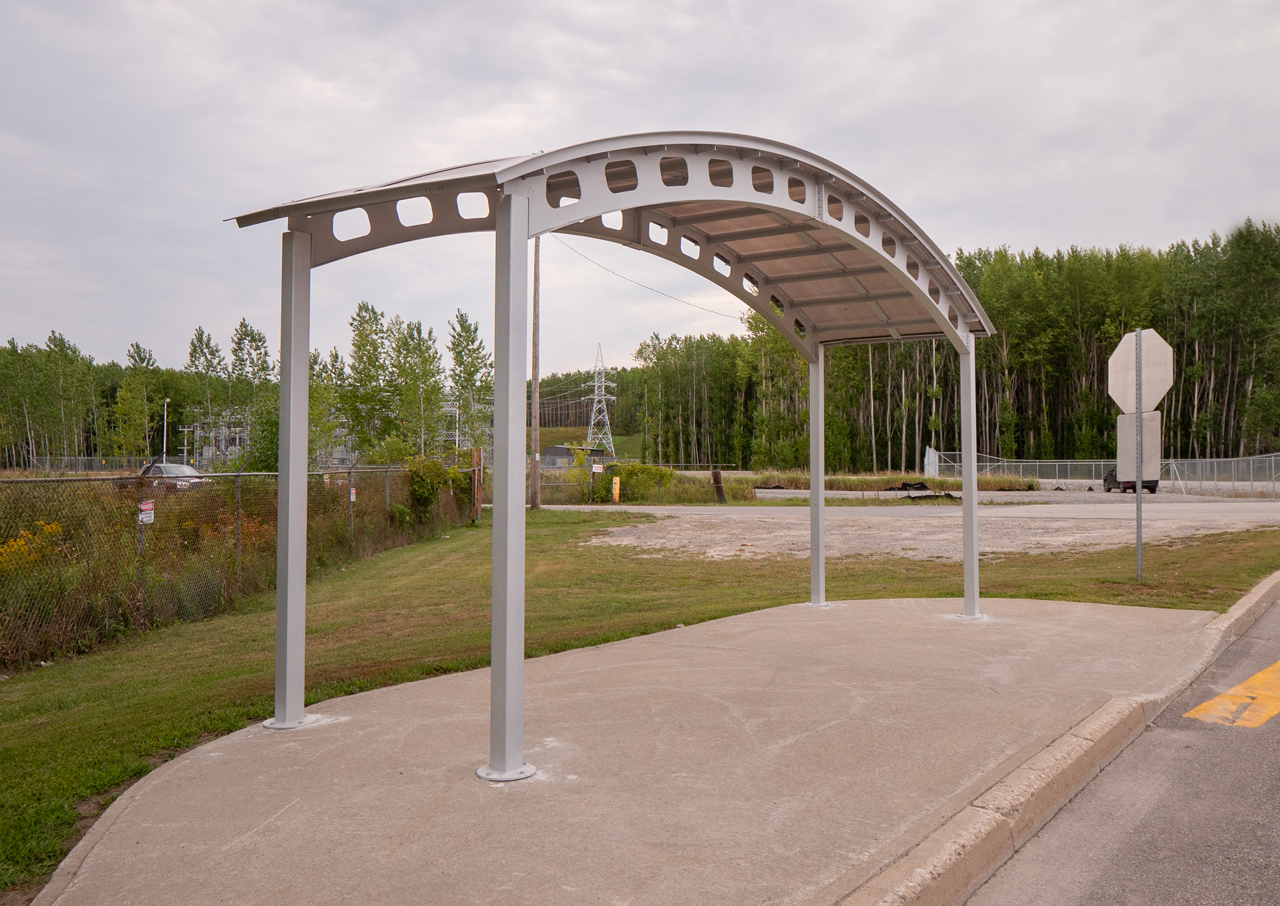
21	896
917	534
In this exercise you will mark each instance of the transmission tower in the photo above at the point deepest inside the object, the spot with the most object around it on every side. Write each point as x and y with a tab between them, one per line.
598	435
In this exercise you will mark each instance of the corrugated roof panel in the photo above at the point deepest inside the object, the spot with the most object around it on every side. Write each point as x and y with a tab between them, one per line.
881	282
906	309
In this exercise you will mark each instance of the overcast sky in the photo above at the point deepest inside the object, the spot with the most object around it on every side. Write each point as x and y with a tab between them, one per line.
129	131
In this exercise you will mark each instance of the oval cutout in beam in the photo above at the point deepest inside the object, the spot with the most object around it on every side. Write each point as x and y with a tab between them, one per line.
351	224
473	205
414	211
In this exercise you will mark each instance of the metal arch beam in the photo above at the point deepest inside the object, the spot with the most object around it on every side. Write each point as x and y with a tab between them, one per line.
791	183
386	228
652	190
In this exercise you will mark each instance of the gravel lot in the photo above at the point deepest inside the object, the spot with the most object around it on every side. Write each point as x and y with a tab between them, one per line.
1007	522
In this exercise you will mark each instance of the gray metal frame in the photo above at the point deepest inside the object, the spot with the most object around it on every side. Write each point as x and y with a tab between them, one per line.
817	252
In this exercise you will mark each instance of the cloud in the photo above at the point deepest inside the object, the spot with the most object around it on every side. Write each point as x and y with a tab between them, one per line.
133	128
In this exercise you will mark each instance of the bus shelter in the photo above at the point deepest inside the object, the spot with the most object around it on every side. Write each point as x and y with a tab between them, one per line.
825	258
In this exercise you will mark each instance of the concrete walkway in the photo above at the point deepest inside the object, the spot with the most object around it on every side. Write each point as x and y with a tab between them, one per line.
783	756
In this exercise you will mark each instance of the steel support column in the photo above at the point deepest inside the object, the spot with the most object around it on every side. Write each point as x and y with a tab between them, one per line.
969	476
291	492
817	480
511	295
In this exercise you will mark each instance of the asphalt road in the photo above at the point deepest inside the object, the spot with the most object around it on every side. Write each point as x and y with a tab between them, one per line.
1187	814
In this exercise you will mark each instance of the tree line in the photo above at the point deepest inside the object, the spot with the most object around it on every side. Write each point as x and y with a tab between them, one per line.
390	399
1041	380
740	400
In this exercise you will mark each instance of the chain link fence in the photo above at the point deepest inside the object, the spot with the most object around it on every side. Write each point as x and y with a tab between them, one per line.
1248	476
88	559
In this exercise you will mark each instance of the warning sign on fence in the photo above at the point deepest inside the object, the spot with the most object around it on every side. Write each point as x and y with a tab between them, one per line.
146	512
353	494
597	467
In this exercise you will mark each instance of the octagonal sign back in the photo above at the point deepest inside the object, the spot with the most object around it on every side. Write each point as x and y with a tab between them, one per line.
1157	371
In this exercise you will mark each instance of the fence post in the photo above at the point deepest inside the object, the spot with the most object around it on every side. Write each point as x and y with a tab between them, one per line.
386	482
142	550
351	508
237	530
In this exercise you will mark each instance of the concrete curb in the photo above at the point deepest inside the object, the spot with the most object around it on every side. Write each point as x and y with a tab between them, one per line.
65	874
949	865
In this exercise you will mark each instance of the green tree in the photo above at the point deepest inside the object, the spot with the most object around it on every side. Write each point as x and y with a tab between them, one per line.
204	359
327	424
250	357
470	379
419	374
136	405
368	395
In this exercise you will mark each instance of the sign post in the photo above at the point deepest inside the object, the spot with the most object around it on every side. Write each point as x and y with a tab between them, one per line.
1138	413
1139	377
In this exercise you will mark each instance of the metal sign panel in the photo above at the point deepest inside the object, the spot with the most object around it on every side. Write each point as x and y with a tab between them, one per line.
597	467
1127	441
1157	371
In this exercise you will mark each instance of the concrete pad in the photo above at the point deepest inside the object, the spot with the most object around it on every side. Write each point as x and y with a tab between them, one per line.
783	756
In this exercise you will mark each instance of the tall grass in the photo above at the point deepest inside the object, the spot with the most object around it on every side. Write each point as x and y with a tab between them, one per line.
647	484
886	481
77	568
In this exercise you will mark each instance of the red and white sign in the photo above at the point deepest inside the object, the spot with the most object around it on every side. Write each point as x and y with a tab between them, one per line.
353	494
597	467
146	512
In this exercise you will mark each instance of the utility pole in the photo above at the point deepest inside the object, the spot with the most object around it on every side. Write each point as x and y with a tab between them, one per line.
535	480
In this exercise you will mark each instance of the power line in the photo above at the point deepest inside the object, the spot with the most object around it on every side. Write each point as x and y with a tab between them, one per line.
643	285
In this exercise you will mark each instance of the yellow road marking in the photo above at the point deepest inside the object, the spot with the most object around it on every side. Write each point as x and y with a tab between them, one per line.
1250	704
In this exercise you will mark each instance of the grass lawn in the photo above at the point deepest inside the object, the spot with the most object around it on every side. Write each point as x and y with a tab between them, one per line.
73	733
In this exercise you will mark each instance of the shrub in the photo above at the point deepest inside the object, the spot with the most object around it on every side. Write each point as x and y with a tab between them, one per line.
429	478
390	451
640	482
400	516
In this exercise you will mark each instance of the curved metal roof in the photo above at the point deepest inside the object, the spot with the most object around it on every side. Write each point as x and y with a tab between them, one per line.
817	251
